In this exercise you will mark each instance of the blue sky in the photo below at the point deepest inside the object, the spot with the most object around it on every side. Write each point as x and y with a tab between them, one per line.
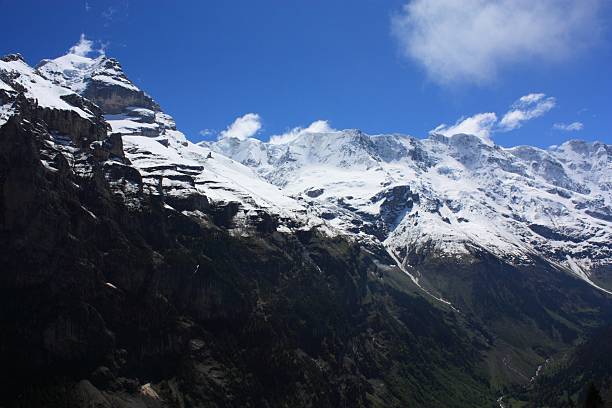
378	65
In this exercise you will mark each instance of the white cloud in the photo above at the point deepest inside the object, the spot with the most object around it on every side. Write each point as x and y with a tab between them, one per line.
102	49
109	14
83	47
243	127
318	126
526	108
480	125
472	40
484	125
205	132
569	127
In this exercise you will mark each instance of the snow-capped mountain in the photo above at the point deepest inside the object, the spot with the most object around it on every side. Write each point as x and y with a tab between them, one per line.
17	76
446	195
170	163
75	121
127	248
449	195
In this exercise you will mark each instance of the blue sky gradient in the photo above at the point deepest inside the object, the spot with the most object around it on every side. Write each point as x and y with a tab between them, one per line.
292	63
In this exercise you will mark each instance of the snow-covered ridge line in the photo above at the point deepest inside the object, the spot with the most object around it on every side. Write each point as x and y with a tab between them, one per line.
17	76
75	72
168	162
452	192
442	195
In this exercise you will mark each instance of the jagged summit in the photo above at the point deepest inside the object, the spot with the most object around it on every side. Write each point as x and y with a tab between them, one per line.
100	79
17	76
12	57
77	72
169	163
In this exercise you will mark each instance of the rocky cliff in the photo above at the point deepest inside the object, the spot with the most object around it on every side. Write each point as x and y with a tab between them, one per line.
140	269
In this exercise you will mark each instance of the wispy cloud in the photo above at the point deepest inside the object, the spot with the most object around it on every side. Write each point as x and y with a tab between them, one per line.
243	127
582	110
472	40
526	108
109	13
480	125
318	126
117	12
483	125
102	49
83	47
206	132
569	127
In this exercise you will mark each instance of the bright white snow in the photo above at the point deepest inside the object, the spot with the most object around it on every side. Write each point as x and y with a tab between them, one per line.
75	71
46	93
516	202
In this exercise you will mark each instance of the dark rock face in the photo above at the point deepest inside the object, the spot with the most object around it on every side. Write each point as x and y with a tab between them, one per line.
105	289
224	215
547	232
77	334
82	131
191	202
606	216
115	99
114	295
12	57
314	193
397	201
45	324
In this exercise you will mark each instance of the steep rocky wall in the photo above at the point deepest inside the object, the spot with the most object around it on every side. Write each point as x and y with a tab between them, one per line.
105	289
113	99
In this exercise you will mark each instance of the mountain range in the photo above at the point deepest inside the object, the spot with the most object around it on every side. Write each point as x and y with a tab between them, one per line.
330	268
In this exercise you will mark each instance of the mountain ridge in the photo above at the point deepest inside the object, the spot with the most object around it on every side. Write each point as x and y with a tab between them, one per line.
568	222
443	170
381	220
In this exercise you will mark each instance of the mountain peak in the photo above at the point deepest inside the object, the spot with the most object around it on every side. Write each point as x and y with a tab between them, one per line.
470	226
17	77
77	72
101	80
12	57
